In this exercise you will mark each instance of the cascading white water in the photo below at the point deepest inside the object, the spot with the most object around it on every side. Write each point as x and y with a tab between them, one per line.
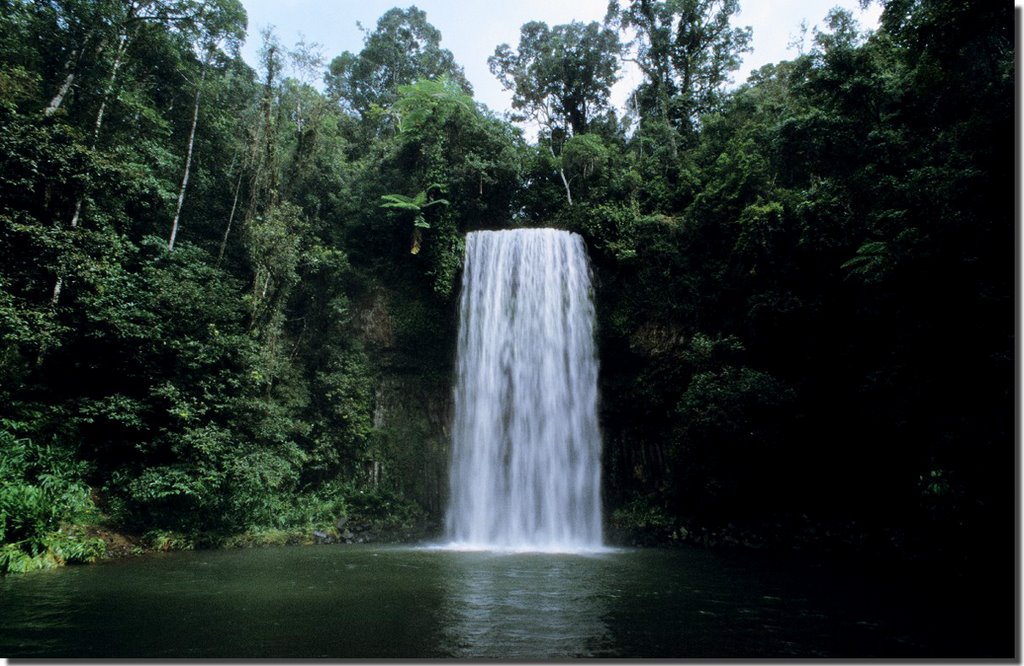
525	471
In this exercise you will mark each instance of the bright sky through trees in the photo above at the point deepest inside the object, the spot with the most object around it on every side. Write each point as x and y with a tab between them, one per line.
472	30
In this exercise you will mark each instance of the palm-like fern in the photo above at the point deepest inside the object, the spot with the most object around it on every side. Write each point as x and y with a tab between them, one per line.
416	204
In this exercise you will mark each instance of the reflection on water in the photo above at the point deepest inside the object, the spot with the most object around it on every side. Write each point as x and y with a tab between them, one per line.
394	603
523	606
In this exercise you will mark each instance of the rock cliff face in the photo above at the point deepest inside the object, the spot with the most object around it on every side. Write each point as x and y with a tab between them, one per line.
411	345
413	423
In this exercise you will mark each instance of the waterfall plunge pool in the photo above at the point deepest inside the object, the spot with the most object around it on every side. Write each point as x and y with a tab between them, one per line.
395	602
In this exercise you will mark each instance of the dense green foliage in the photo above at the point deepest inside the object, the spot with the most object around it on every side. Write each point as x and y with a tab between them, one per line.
814	323
42	499
227	295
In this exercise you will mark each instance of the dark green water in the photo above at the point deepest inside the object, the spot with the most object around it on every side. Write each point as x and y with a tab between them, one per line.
394	602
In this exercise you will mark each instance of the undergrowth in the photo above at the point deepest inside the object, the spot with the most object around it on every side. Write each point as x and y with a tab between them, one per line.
44	506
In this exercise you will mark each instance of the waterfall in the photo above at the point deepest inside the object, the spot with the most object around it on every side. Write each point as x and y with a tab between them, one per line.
525	471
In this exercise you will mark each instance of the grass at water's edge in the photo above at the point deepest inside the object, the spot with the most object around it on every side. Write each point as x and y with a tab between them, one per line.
105	541
122	544
628	526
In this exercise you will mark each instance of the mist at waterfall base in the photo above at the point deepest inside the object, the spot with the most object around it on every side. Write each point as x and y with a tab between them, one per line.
526	447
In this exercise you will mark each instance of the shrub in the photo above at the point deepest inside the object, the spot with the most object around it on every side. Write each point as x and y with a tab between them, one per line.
43	503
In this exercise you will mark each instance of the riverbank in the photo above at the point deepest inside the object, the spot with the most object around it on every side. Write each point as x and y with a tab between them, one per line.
121	544
803	536
809	539
630	526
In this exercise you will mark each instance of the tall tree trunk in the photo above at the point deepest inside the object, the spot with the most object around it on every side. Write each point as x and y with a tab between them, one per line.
71	66
118	59
188	161
561	172
122	46
227	228
62	92
568	192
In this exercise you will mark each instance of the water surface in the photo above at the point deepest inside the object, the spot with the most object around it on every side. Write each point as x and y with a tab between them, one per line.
401	602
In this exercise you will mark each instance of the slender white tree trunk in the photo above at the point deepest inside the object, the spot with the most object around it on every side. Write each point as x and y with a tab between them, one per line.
227	229
118	59
188	162
561	172
58	99
71	66
122	46
568	192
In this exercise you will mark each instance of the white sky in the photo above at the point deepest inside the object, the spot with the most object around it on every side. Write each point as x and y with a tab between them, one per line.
471	29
